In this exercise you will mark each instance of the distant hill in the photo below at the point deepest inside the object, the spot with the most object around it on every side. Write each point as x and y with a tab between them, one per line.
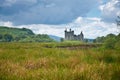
56	38
8	34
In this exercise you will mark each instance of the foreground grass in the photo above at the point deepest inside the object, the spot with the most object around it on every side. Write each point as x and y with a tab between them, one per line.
32	61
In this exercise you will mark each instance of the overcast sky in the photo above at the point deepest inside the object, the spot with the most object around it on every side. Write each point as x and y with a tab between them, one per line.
93	17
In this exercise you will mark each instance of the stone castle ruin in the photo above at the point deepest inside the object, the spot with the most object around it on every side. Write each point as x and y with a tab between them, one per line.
69	35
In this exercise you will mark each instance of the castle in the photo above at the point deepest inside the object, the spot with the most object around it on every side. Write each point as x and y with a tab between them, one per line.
69	35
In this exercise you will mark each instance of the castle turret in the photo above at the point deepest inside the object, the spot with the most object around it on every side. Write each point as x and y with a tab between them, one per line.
70	29
81	33
81	36
66	34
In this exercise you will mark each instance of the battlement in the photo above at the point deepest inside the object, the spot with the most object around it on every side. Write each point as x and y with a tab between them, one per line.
69	35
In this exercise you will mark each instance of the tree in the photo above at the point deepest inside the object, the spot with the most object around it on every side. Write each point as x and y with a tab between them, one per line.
110	41
1	36
117	44
111	36
86	40
16	38
99	39
61	39
8	37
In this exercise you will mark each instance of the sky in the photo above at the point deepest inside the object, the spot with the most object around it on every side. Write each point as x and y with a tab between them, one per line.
93	17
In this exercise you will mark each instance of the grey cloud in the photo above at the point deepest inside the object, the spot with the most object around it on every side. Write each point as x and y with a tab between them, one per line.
46	11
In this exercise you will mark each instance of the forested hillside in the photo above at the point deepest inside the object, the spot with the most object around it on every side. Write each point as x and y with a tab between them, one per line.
21	35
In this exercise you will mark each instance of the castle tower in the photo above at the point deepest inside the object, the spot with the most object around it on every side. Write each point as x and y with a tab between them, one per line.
71	35
66	34
81	36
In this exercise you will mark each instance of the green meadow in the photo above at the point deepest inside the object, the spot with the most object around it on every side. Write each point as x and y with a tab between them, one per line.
35	61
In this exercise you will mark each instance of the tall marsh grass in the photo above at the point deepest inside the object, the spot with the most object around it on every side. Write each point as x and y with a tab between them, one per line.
33	61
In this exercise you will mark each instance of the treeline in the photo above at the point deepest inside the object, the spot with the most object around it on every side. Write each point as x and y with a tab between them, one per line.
29	38
110	41
22	35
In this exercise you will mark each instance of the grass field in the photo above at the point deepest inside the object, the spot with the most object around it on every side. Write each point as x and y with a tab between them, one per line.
34	61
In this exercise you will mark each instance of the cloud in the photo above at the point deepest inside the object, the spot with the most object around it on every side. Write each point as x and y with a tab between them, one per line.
110	10
94	27
45	11
8	23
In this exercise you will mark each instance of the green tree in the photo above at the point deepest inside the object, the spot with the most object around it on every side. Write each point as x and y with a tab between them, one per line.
61	39
86	40
17	38
111	36
100	39
110	41
1	36
8	37
117	44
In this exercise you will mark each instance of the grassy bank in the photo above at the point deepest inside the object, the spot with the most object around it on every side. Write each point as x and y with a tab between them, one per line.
33	61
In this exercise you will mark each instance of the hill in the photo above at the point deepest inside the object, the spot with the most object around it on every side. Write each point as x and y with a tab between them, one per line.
8	34
56	38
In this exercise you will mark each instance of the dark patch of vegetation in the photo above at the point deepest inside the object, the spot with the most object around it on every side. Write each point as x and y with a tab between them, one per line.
73	46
